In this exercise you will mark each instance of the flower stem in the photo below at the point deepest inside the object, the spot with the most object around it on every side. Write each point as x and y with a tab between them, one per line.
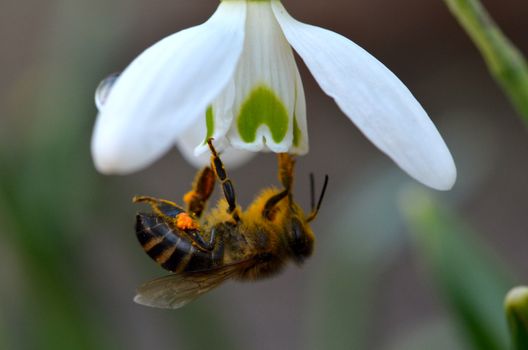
505	62
516	305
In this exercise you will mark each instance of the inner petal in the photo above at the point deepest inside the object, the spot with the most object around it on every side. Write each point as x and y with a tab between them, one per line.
217	120
265	84
262	107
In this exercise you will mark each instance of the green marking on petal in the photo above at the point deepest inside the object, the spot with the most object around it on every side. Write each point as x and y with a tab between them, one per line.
209	123
297	134
262	107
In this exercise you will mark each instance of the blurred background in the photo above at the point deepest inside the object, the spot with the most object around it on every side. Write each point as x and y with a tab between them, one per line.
396	266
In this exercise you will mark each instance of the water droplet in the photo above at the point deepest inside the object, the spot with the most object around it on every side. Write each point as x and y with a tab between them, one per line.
104	88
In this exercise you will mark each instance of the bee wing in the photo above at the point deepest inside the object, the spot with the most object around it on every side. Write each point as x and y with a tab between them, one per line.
175	291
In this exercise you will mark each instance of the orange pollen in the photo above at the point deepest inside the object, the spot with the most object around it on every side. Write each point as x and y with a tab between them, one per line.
185	222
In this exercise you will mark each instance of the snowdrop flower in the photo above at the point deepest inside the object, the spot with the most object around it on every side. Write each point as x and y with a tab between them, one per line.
234	78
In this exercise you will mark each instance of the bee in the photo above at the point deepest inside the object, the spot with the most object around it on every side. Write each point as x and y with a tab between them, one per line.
202	251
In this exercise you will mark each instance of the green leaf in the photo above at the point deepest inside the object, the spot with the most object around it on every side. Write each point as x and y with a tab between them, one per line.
468	276
516	305
505	62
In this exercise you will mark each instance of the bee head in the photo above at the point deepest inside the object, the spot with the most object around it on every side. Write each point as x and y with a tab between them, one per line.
301	237
300	240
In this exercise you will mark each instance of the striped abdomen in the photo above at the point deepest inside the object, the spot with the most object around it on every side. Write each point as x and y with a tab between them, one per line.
173	249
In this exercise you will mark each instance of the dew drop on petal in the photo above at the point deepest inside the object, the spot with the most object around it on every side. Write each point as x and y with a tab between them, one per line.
104	88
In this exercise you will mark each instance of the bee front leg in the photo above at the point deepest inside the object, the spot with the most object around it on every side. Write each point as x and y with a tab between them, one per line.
269	207
203	187
286	166
227	185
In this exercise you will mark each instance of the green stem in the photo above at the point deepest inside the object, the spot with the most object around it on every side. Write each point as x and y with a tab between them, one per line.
516	306
505	62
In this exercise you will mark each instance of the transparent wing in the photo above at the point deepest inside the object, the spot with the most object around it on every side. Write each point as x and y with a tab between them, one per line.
176	290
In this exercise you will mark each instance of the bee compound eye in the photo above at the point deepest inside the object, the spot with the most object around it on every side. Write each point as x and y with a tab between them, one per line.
300	244
297	230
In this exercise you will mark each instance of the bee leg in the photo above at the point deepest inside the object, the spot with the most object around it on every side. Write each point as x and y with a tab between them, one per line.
202	189
198	240
286	165
227	185
160	207
210	245
269	207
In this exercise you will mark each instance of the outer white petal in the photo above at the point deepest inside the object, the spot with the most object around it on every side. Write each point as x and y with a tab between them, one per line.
374	99
165	89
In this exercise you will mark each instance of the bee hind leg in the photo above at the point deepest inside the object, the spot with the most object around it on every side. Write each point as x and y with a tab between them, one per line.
227	185
161	207
203	186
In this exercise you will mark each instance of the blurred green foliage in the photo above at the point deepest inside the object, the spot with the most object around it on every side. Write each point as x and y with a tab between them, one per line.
48	187
45	188
516	305
505	62
470	278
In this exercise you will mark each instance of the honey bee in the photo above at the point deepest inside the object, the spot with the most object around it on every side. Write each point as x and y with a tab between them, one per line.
202	252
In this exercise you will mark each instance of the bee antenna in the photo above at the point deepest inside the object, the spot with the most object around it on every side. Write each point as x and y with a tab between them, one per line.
314	212
312	192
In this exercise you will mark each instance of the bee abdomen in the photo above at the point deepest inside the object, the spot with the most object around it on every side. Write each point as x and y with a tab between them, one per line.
170	248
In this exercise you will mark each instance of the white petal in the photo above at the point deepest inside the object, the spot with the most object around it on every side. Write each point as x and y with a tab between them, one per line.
265	83
231	157
165	89
374	99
